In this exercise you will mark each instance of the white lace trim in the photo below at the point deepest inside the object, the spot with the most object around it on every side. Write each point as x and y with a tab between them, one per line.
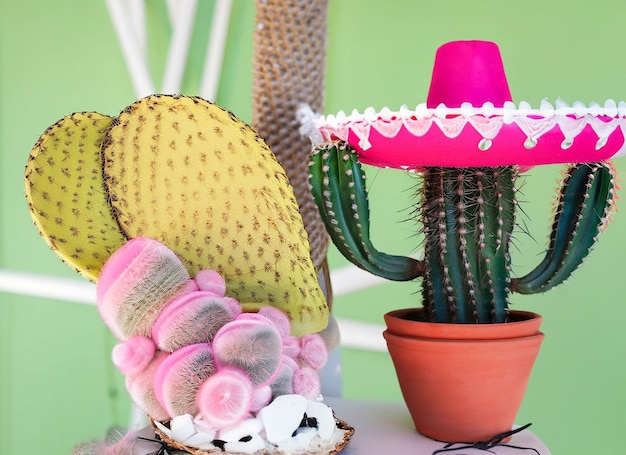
487	120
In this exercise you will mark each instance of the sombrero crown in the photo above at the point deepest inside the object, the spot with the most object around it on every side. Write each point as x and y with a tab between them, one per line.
468	72
469	119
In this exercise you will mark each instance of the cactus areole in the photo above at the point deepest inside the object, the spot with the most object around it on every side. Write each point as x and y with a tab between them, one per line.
469	143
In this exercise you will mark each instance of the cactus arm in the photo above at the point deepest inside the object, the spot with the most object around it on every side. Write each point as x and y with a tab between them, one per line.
595	210
337	184
584	206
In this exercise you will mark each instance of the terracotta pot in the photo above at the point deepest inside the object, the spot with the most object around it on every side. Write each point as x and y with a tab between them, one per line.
462	382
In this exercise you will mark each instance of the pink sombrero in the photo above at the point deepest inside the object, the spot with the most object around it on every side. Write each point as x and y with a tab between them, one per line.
469	119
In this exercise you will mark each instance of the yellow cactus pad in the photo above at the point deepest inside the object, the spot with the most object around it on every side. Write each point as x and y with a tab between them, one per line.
66	194
190	174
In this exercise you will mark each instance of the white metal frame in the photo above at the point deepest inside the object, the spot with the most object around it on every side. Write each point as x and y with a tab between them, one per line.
354	334
128	17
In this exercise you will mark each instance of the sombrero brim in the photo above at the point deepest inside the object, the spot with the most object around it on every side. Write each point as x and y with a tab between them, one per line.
479	136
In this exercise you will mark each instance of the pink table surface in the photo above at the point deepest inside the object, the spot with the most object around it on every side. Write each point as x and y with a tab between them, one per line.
386	428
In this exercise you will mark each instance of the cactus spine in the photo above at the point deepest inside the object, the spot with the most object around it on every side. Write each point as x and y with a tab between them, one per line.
468	218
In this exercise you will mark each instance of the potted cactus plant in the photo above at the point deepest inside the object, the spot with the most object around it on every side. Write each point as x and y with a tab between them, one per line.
468	144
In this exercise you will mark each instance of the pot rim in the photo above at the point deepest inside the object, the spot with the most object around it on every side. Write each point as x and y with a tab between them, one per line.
526	323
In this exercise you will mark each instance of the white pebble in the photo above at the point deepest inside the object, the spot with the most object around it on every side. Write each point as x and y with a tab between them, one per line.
248	427
204	427
202	441
283	416
325	419
182	427
251	446
299	442
194	433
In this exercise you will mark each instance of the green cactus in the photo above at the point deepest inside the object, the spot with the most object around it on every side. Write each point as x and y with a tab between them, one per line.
468	217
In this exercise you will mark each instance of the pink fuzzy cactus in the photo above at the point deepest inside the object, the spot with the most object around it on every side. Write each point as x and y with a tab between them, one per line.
233	304
134	355
142	391
225	399
278	318
313	351
136	282
211	281
306	382
283	382
116	443
261	396
179	377
192	318
251	344
205	356
292	346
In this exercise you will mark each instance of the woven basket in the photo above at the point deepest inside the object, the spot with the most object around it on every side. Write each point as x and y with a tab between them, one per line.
339	446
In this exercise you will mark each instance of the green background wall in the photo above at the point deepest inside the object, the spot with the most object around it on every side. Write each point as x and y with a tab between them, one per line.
57	386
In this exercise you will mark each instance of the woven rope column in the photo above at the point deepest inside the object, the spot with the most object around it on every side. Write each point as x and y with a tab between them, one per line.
289	69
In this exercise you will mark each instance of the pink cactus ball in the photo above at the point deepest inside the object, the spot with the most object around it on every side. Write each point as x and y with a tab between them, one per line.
136	282
133	355
190	319
283	382
306	382
313	351
261	397
225	399
292	346
141	389
278	318
250	345
179	377
233	304
211	281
